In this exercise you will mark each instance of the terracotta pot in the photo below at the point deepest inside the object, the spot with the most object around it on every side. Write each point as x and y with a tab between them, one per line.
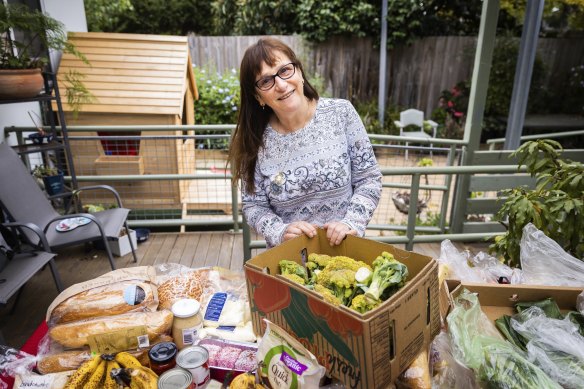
20	83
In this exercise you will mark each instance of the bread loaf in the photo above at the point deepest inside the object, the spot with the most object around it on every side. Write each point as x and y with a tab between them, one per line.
76	334
63	361
108	300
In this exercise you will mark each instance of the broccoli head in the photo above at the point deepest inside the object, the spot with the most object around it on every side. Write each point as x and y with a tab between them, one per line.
291	268
295	278
327	294
388	275
339	277
362	304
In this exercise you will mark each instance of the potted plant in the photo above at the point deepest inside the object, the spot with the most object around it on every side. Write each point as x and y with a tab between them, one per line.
27	35
53	178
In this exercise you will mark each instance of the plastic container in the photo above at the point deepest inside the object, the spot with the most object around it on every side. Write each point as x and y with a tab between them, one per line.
162	357
219	362
187	322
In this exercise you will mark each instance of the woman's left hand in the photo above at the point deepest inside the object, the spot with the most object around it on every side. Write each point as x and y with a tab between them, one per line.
337	231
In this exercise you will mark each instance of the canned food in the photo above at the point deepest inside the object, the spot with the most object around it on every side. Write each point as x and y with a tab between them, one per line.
176	378
195	360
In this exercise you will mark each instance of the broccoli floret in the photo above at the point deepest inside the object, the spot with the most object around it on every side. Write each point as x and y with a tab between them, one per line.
339	277
295	278
327	294
292	268
314	264
362	304
388	274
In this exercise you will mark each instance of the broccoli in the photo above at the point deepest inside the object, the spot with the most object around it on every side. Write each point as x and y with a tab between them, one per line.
363	276
293	271
327	294
362	304
388	275
314	264
339	276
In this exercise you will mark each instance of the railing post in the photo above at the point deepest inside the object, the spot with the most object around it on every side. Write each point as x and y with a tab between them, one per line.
246	241
446	194
235	207
413	211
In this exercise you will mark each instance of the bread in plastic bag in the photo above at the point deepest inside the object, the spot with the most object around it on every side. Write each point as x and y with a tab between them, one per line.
544	262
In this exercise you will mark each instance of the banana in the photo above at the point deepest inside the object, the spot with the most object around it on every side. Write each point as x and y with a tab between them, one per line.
97	377
144	378
127	360
110	382
83	373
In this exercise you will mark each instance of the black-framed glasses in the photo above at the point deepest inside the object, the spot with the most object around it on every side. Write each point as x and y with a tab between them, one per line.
285	72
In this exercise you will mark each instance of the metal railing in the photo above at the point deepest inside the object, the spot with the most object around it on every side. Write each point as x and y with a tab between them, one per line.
566	134
413	233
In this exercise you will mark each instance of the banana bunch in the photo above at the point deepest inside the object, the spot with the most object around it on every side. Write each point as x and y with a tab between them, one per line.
109	371
247	380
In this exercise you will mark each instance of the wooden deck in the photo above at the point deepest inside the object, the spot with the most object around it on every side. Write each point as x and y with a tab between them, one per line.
20	318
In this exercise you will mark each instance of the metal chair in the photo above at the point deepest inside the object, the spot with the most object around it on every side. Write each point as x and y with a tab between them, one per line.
23	201
414	117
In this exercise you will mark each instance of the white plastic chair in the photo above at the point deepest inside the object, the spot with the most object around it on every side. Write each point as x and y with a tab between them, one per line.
415	117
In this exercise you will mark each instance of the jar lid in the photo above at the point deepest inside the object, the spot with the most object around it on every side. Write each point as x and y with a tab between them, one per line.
185	308
175	378
192	357
163	352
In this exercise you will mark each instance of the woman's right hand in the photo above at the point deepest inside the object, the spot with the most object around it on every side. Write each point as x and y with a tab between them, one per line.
295	229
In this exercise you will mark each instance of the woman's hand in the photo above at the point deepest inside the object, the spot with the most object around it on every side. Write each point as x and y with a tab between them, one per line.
337	231
296	229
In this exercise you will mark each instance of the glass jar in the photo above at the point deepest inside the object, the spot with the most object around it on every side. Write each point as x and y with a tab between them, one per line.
187	322
162	357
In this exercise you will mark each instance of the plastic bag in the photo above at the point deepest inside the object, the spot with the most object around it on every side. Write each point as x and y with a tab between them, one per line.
449	373
478	345
554	345
481	268
286	360
14	362
544	262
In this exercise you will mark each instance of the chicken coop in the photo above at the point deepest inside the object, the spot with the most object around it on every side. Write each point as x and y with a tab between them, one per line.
135	80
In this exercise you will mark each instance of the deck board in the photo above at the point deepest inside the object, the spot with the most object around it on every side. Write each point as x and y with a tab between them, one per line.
192	249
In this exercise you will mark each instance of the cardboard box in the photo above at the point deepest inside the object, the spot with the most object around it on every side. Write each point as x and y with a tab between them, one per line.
498	299
121	245
363	351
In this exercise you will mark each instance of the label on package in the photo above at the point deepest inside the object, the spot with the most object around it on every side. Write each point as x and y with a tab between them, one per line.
189	335
116	341
215	306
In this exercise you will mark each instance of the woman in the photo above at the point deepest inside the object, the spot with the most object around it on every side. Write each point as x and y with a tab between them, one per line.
304	161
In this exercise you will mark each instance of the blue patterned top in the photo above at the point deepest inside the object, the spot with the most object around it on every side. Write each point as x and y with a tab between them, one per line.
323	172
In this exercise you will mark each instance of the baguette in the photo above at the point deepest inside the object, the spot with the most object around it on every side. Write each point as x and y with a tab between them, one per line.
76	334
108	300
63	361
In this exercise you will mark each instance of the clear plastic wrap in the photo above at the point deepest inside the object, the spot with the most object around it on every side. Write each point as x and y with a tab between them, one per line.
417	375
478	344
14	362
554	345
447	371
544	262
481	268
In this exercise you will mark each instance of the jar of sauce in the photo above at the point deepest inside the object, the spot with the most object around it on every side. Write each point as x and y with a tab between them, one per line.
162	357
187	322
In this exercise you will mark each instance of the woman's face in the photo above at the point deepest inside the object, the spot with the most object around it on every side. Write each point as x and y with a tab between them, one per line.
286	95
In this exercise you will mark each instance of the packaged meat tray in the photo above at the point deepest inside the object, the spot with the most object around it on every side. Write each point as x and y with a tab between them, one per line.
226	356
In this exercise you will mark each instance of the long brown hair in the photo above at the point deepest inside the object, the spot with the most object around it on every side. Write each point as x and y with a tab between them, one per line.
247	137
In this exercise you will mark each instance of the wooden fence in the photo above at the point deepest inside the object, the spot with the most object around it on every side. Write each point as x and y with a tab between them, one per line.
416	74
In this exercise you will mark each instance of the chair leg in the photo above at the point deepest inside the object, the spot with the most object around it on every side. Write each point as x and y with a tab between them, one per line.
131	243
110	256
56	275
431	154
407	150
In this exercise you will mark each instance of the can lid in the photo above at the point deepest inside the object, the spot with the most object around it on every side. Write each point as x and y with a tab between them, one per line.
176	378
192	357
163	352
185	308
